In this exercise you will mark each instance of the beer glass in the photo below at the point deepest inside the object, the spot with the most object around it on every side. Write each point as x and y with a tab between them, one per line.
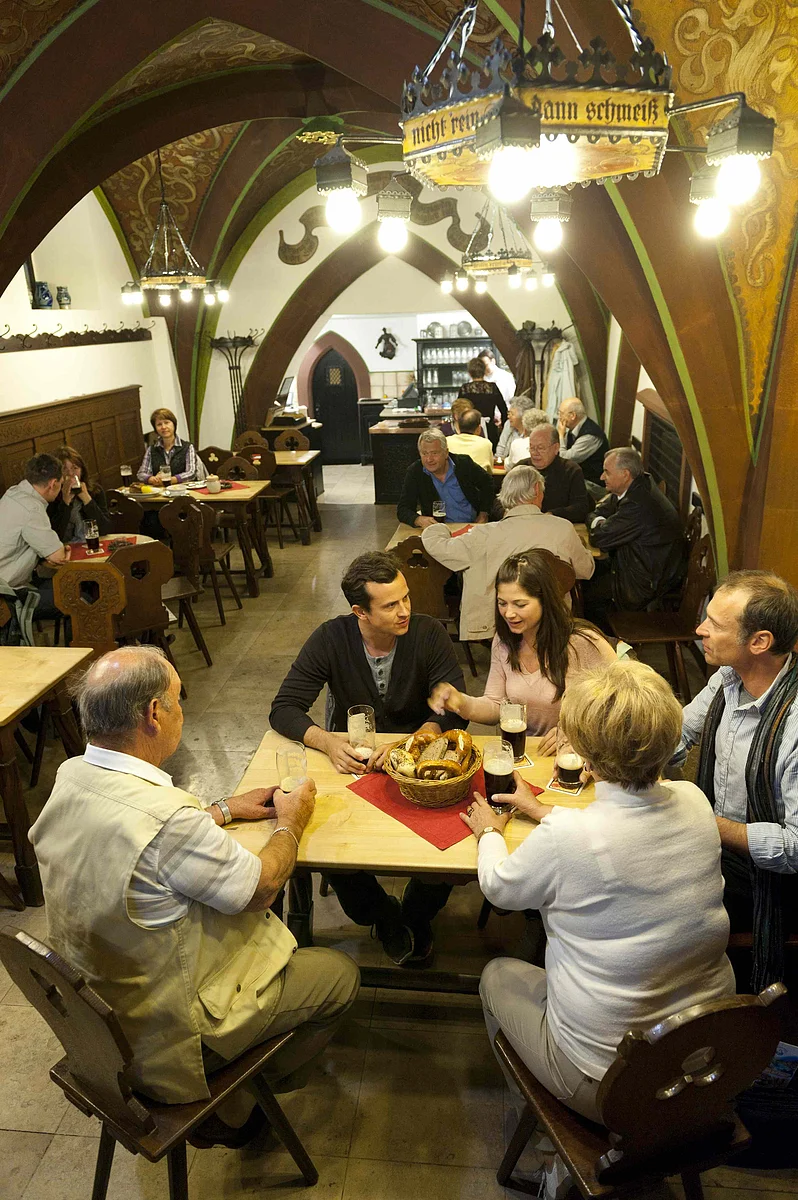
127	475
166	475
568	764
92	537
497	765
292	766
439	510
75	485
512	723
362	730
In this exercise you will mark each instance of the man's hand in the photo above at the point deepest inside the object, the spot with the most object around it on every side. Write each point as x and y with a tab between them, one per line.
252	806
445	698
479	815
295	808
343	757
562	428
421	522
482	519
524	800
733	835
377	760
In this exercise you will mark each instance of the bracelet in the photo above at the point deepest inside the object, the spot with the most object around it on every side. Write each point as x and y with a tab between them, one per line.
224	809
285	829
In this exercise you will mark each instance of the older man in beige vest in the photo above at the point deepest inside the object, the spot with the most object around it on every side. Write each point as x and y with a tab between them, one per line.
480	552
166	915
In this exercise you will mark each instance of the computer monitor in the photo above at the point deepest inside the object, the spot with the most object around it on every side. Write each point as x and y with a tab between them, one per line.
285	388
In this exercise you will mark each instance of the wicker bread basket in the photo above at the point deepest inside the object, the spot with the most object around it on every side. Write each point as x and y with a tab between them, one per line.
435	793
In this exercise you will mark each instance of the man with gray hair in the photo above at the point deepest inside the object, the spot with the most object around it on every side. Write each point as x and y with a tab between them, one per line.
454	481
480	552
581	439
167	916
566	492
641	532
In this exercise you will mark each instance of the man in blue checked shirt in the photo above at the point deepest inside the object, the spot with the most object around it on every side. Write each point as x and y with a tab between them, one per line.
746	720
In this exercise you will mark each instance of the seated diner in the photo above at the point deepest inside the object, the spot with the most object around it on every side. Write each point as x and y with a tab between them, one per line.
80	500
169	455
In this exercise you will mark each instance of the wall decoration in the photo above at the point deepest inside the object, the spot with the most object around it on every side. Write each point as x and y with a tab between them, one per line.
56	340
42	296
63	297
387	343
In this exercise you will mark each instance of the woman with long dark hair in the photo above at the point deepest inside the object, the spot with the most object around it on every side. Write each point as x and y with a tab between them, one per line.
81	499
538	648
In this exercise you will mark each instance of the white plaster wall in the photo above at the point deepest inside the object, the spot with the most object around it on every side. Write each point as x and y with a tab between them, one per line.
263	284
82	252
614	336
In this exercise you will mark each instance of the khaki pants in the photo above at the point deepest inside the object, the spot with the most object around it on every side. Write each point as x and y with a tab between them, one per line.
318	987
513	995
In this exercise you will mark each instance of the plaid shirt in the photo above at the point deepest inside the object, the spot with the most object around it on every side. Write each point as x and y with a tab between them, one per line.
195	468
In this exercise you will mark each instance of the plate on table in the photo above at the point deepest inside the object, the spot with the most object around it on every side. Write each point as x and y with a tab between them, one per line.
196	483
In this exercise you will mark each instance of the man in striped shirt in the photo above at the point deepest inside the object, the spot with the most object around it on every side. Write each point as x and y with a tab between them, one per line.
167	916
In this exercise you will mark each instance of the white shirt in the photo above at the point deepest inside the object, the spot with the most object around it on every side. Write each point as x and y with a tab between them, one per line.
584	445
504	381
631	896
191	858
26	534
519	450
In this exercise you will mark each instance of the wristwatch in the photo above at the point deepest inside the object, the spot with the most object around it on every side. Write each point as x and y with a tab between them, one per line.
488	829
224	809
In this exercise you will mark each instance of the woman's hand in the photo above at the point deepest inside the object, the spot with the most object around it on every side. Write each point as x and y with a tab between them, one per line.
524	800
84	494
479	815
155	481
446	698
66	489
547	746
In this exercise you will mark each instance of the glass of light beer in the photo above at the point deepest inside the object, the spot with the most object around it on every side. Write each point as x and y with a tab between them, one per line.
512	724
497	765
568	764
292	766
361	729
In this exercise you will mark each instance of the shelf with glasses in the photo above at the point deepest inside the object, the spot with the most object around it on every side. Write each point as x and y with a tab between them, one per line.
442	364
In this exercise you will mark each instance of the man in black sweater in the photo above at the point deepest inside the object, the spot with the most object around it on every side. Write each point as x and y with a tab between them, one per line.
465	488
379	654
566	494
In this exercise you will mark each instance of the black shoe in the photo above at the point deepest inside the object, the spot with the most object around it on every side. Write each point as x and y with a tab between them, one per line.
216	1132
397	940
423	946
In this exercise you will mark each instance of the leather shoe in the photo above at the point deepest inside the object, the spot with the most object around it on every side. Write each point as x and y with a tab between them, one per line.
215	1132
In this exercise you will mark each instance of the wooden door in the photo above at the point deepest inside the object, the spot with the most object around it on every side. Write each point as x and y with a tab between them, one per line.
335	405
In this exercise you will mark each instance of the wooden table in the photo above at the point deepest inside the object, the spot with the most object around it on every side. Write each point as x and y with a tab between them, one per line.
241	502
405	531
581	529
347	833
30	675
140	539
298	465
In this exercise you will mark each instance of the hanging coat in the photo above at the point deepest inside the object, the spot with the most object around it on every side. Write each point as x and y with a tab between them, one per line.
561	383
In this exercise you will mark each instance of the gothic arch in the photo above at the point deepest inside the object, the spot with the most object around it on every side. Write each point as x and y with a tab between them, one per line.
330	341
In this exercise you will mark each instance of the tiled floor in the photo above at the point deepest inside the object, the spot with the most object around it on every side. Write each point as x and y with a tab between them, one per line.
408	1102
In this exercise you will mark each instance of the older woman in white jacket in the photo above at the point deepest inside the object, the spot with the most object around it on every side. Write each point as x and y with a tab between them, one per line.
480	552
629	890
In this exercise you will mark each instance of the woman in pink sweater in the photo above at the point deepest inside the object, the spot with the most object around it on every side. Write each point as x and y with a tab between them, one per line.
538	649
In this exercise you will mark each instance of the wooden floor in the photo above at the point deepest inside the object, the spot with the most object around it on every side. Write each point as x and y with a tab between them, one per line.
408	1102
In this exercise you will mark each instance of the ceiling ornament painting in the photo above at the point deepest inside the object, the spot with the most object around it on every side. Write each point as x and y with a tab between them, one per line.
23	24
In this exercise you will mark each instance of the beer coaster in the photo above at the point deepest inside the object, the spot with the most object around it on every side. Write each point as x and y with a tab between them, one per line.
526	761
554	786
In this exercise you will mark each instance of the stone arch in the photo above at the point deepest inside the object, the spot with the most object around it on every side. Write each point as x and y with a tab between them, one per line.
330	341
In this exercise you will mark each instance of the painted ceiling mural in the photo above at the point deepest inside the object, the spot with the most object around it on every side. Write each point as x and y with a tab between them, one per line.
719	46
23	24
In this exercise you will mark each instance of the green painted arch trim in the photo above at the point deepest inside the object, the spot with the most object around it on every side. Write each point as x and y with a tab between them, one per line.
738	325
775	345
721	548
43	44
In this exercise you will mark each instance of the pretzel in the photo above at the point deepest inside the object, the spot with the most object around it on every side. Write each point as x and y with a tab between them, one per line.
436	769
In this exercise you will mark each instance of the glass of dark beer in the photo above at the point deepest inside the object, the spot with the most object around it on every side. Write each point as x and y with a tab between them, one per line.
75	485
439	511
92	537
127	475
512	723
568	764
497	764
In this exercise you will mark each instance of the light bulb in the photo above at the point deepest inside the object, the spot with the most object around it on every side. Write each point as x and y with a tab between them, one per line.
548	279
511	175
127	298
222	295
553	162
711	218
461	281
165	299
514	279
392	235
447	285
481	286
137	297
547	235
210	299
186	293
343	211
531	283
738	179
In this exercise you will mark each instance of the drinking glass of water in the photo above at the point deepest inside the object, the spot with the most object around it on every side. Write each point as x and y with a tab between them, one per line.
362	730
439	510
292	766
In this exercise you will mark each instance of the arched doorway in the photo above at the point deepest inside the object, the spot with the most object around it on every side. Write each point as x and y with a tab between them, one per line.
334	390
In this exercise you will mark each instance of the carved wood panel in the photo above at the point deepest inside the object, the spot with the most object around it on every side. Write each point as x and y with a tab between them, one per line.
105	428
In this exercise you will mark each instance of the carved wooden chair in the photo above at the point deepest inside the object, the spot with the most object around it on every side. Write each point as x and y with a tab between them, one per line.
190	539
426	579
673	629
666	1102
213	457
276	502
126	513
184	524
291	439
250	437
145	569
92	595
96	1069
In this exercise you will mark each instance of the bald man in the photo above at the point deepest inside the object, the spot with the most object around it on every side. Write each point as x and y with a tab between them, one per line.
582	440
167	916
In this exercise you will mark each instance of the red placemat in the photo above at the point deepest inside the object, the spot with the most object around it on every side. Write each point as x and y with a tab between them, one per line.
234	487
79	553
441	827
460	532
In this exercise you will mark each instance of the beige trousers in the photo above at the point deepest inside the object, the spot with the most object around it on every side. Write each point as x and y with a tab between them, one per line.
513	995
318	987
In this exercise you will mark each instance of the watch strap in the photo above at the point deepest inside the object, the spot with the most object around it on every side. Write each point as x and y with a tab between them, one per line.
224	809
488	829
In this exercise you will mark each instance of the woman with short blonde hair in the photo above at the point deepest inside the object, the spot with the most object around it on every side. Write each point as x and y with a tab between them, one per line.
629	890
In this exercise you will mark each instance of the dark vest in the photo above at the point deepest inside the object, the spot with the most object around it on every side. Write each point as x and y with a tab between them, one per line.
177	462
593	466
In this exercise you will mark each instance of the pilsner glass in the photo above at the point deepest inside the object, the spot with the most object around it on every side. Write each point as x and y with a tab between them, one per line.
439	510
292	766
126	472
92	537
569	764
166	475
362	730
497	765
512	723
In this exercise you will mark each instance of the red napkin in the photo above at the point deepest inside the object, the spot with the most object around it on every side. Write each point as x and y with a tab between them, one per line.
235	487
441	827
79	553
465	529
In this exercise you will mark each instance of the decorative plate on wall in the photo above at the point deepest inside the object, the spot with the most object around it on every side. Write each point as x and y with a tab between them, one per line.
464	329
436	330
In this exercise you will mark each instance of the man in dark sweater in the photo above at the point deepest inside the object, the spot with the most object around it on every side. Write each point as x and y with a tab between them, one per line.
566	494
379	654
465	488
582	440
